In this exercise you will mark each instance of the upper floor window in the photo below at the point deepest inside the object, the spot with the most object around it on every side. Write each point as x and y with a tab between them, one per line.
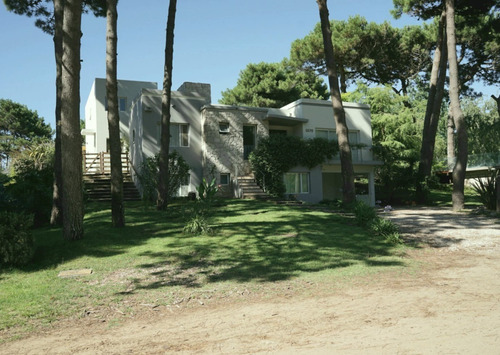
330	134
326	133
122	103
179	135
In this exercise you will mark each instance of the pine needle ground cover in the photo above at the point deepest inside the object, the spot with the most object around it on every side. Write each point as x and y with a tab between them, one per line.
253	245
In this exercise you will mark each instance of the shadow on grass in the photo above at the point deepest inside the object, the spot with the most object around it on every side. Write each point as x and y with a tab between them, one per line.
253	241
265	243
101	240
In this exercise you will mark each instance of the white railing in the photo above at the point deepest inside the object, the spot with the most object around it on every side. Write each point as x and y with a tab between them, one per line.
100	163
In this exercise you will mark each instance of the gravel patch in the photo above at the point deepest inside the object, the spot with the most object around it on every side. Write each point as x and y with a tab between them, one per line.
443	228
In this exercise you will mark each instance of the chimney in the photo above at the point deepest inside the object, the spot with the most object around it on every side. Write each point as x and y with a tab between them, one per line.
198	88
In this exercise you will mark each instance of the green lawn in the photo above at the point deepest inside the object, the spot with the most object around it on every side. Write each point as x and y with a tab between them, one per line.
150	260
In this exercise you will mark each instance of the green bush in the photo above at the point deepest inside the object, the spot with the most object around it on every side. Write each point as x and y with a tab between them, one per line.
16	240
198	224
149	175
33	177
364	214
486	189
277	154
383	227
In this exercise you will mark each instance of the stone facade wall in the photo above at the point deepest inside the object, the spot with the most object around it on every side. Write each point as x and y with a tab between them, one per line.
223	152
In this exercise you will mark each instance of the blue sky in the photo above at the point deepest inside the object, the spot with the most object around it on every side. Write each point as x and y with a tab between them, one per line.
214	41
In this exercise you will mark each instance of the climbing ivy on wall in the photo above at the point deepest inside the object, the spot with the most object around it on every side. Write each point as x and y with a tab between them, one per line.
277	154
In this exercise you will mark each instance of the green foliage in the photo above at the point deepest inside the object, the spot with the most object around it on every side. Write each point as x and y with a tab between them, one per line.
486	189
20	127
483	125
198	224
477	34
30	190
16	240
148	175
274	85
397	128
375	53
383	227
364	214
207	191
277	154
367	217
43	11
203	209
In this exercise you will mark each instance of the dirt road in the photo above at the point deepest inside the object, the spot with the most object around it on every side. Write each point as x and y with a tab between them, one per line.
450	304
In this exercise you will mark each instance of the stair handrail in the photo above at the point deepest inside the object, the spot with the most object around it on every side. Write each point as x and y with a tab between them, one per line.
87	167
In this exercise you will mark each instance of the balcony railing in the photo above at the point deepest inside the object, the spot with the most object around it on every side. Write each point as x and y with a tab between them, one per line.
100	163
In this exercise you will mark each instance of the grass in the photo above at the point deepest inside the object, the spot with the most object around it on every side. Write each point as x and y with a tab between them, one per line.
255	245
438	197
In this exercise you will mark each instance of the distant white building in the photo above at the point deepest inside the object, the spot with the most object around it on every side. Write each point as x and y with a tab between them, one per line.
215	140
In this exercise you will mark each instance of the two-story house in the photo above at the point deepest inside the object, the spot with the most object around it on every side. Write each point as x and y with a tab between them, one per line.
216	140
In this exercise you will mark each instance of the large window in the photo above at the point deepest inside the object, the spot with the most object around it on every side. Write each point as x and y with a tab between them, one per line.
179	135
326	133
297	183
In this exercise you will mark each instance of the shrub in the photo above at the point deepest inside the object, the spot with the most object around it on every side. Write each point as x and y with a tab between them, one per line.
33	177
16	240
149	170
384	228
393	238
364	214
486	188
277	154
198	224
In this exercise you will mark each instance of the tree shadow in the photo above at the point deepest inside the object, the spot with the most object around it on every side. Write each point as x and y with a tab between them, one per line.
296	242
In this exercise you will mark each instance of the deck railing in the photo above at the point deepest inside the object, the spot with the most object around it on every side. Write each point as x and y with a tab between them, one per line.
100	163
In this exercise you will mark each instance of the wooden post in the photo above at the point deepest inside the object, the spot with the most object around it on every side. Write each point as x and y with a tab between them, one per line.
101	162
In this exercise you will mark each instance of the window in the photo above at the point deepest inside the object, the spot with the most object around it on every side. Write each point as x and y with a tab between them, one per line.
332	135
223	127
225	178
297	183
179	135
122	103
326	133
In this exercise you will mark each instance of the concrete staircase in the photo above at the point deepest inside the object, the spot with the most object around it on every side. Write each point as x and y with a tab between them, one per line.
98	187
250	189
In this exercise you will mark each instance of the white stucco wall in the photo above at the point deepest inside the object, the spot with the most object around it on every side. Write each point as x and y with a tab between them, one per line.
96	114
146	119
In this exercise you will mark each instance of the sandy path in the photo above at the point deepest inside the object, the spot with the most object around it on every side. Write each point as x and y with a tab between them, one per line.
451	305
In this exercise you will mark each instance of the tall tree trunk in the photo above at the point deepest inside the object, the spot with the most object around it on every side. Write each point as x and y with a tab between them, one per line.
343	79
348	191
433	111
163	192
450	139
459	170
497	184
56	213
117	209
497	100
71	140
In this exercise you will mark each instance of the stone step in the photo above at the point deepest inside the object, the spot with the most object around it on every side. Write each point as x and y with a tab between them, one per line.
250	188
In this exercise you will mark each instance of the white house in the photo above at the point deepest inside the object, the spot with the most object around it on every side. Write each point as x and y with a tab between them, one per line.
215	140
